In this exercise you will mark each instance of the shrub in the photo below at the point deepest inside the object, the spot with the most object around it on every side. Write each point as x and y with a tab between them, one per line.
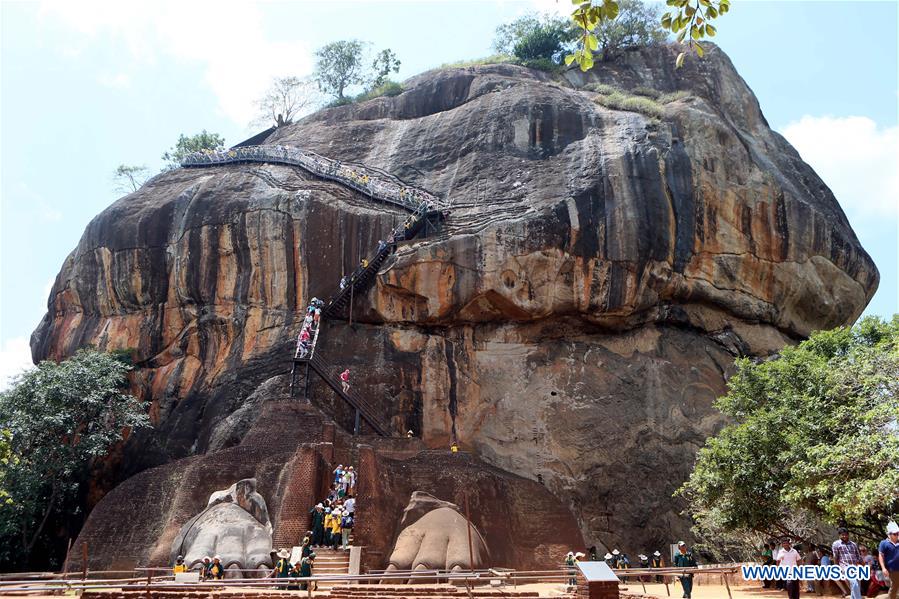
673	96
477	62
637	25
542	64
602	88
619	100
646	91
535	36
389	88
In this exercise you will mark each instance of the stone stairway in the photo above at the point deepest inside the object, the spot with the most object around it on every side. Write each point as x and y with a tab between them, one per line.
429	591
328	562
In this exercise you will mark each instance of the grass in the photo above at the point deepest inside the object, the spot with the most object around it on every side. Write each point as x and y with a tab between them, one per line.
390	89
493	59
644	100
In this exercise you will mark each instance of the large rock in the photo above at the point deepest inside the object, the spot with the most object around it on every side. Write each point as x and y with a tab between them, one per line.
573	322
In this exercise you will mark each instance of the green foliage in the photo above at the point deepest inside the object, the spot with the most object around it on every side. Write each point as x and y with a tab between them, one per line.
636	26
7	460
673	97
129	178
617	99
60	417
384	63
534	37
194	143
647	91
690	21
477	62
541	64
388	88
339	65
812	431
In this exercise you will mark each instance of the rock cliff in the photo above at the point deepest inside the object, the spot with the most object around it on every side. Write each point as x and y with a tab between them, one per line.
573	321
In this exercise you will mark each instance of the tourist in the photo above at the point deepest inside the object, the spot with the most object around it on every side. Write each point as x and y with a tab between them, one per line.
610	560
345	380
644	563
656	562
338	473
204	568
346	527
811	558
335	527
768	551
306	571
592	553
343	282
328	524
867	560
624	562
382	245
570	561
179	566
217	570
282	567
685	559
318	525
788	556
888	556
845	553
349	504
295	574
616	555
306	548
351	480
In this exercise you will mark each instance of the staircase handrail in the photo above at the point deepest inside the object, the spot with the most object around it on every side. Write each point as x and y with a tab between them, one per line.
365	409
374	183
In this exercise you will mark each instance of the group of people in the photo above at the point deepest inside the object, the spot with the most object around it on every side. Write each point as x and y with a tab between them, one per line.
306	338
334	517
210	569
619	561
301	569
843	552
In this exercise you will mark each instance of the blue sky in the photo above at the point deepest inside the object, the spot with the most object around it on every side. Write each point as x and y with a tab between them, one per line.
85	86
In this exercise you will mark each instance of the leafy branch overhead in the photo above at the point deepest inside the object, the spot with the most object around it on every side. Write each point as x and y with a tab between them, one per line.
689	20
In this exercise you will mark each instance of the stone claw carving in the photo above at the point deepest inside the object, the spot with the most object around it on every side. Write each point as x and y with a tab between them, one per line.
435	536
235	526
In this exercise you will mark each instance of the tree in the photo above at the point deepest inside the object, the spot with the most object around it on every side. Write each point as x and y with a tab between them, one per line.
690	20
7	460
814	431
286	99
60	418
339	65
188	145
129	178
534	36
384	63
637	26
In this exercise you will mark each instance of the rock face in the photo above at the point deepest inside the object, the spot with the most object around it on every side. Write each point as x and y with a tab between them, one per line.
572	322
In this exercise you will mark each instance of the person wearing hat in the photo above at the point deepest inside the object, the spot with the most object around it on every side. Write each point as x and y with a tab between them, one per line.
610	559
282	567
217	570
616	557
318	525
346	527
180	566
685	559
845	553
594	557
294	573
888	556
644	563
306	570
656	562
306	546
328	522
204	569
570	561
336	536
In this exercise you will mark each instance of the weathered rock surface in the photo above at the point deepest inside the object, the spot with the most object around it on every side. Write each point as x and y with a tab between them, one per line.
573	322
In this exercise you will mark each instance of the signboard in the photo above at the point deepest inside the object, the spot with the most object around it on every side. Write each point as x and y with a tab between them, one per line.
597	572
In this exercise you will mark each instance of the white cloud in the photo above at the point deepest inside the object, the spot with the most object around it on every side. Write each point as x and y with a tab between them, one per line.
225	38
858	160
15	356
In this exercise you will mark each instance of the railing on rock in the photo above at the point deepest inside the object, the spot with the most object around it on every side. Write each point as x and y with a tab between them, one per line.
374	183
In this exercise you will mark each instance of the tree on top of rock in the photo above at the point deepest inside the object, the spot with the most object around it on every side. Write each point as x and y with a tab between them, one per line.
128	178
285	100
340	65
637	26
190	144
535	37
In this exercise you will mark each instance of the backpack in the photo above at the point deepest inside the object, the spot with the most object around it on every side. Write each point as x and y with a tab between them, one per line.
346	522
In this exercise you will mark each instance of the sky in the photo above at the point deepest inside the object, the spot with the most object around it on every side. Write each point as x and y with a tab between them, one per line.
86	86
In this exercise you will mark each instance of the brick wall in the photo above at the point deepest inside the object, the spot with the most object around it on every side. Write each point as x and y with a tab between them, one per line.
304	477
